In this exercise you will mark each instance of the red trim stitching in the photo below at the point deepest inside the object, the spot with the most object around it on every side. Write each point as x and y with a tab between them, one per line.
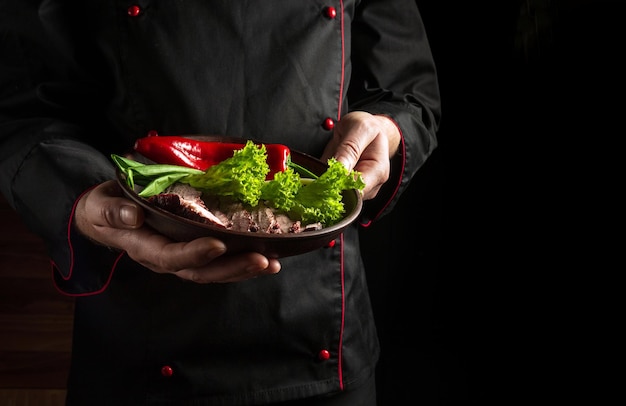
342	271
55	268
343	317
395	191
343	61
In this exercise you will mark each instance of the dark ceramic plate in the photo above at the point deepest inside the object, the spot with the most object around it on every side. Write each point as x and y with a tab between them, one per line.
271	245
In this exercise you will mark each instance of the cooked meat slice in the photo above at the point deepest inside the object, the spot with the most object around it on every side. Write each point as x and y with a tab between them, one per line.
186	192
185	201
264	218
296	227
241	220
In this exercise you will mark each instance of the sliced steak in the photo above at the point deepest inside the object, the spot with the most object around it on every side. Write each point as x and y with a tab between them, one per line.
185	201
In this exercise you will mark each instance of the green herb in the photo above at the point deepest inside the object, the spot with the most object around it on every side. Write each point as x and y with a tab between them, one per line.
300	169
154	177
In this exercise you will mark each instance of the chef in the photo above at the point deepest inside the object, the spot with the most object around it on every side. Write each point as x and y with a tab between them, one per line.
160	322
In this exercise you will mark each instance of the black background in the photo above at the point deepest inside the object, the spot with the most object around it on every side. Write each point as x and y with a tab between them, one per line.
474	278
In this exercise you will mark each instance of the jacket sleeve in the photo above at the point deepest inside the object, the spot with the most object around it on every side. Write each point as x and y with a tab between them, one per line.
48	139
394	75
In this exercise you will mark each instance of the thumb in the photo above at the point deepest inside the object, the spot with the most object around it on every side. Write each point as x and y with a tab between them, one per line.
107	207
129	215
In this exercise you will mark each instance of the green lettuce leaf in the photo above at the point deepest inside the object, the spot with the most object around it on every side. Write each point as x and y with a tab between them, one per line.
320	200
241	176
281	191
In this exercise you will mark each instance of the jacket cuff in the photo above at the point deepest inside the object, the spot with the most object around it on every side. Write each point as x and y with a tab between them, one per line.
385	199
82	267
418	140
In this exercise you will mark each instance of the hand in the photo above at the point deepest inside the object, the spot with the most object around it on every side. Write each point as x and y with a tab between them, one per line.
365	143
106	217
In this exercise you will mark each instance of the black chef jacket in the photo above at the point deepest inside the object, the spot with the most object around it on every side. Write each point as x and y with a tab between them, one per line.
82	80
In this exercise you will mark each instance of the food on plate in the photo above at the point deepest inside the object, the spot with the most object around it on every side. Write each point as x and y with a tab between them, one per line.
237	193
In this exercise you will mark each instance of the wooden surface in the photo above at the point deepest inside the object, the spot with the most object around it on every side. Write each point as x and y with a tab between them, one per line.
35	320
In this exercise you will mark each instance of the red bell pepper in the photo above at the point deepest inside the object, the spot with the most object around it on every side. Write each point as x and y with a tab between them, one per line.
182	151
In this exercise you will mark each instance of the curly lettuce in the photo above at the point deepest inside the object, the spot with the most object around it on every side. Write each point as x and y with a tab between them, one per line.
241	176
321	200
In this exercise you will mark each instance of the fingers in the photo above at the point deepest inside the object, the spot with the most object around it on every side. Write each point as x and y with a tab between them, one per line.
365	142
201	260
113	210
104	207
350	138
163	255
128	215
232	269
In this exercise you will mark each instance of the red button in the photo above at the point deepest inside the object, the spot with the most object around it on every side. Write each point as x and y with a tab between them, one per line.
167	371
331	244
329	124
323	355
330	12
134	11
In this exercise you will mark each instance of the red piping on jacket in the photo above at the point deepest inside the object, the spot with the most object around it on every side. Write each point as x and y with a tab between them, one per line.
343	61
69	275
343	293
343	316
